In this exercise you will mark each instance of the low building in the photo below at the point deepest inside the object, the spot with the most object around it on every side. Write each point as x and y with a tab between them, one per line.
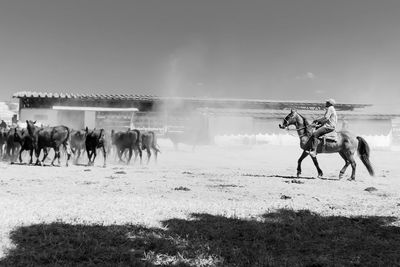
212	117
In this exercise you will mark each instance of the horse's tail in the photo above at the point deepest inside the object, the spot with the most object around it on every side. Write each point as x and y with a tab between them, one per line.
363	153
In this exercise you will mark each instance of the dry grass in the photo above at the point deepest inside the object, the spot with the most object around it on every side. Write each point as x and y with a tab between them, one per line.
233	212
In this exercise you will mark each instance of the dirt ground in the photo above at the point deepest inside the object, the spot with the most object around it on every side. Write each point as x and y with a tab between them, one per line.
236	181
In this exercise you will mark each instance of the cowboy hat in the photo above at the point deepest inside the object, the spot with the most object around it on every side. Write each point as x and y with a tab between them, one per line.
331	101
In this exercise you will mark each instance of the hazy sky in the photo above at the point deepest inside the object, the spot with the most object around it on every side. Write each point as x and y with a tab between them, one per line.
283	49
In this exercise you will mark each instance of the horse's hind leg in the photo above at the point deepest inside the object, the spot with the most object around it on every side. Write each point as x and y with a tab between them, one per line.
68	150
148	154
347	163
136	155
78	155
56	155
320	173
45	153
140	155
353	166
129	156
155	150
105	156
120	153
31	155
303	156
20	155
37	155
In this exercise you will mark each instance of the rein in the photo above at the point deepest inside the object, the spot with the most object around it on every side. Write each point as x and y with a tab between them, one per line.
300	135
299	129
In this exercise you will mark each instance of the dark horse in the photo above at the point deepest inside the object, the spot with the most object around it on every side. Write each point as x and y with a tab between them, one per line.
23	137
53	137
346	145
95	139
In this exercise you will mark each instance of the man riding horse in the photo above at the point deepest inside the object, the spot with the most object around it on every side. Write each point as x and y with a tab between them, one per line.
325	124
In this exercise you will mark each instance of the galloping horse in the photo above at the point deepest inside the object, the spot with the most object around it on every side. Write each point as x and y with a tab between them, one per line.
346	145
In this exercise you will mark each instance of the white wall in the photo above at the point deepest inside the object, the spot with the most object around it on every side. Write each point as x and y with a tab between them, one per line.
90	119
45	116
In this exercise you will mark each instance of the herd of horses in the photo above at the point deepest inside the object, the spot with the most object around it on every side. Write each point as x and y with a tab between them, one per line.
38	139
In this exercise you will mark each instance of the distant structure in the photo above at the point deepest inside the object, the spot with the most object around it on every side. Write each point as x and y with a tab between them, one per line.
8	111
213	116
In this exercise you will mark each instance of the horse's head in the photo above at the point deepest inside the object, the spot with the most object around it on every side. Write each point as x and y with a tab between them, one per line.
30	126
290	119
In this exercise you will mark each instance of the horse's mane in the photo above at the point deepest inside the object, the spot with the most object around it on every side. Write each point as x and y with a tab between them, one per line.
306	123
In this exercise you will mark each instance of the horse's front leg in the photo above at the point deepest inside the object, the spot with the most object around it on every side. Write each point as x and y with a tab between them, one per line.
303	156
94	155
89	155
320	173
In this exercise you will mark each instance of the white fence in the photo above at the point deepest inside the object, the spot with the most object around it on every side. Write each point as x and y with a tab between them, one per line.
375	141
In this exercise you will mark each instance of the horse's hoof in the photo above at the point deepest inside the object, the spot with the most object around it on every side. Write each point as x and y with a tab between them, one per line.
340	176
351	179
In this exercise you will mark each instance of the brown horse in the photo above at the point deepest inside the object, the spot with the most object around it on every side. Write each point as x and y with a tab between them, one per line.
346	145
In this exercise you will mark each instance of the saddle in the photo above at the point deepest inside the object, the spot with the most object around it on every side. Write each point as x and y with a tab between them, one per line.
329	137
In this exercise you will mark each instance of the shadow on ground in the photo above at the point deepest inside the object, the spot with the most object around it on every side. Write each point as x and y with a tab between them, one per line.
283	238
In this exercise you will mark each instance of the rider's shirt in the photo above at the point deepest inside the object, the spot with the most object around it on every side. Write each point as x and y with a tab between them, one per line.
331	115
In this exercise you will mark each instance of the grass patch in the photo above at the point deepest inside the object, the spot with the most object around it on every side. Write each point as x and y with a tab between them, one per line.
283	238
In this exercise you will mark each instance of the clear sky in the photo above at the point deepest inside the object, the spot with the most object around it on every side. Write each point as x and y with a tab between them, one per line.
281	49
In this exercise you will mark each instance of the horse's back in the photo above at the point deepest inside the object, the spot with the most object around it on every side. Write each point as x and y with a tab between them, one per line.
53	135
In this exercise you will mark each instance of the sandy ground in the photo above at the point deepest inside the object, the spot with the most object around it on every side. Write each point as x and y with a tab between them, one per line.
235	181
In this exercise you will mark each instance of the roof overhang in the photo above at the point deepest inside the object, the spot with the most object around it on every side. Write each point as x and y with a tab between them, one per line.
94	109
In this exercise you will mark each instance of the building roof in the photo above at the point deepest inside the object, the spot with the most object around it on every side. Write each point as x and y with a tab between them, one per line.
201	102
32	94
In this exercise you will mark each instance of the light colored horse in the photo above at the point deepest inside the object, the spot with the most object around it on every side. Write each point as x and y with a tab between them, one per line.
346	145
